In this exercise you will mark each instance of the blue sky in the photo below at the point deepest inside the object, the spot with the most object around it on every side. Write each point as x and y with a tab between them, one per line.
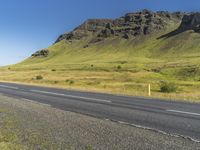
30	25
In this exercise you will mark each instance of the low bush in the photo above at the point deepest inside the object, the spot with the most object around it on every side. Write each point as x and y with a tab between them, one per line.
70	81
119	67
168	87
55	82
39	77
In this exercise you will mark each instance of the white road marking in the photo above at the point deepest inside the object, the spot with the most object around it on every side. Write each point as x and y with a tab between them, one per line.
72	96
183	112
9	87
45	92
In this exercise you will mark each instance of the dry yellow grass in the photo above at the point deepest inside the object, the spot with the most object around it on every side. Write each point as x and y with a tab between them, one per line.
124	83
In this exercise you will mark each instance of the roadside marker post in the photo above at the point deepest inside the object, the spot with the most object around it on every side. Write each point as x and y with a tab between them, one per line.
149	90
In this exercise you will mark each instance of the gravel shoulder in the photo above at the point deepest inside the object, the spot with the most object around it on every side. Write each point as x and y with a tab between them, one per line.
30	125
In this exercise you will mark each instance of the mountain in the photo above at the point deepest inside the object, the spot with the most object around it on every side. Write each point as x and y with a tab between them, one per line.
137	48
132	31
143	34
133	38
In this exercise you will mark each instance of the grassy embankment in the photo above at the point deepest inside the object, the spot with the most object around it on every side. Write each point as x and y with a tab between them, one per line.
9	139
118	66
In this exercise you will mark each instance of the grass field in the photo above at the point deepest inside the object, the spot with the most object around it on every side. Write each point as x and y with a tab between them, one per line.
119	66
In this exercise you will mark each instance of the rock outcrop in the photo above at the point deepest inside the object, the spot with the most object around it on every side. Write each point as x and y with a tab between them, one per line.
131	25
190	22
91	25
41	53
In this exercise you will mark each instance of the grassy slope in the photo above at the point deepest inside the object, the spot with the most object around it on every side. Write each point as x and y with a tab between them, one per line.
143	60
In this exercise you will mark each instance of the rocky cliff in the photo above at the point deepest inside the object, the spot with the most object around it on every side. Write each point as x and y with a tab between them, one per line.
191	22
131	25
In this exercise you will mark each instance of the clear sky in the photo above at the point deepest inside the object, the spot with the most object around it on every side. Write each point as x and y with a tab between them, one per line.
30	25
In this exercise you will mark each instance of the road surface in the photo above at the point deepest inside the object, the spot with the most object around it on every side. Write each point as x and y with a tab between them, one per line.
175	118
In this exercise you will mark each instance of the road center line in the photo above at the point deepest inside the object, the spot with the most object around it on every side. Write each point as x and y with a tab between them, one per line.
9	87
72	96
183	112
45	92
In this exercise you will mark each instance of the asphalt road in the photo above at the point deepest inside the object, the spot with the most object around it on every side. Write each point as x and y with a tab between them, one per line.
176	118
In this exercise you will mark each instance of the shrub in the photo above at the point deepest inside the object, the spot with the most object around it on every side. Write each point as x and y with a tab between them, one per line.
55	82
71	82
119	67
168	87
53	70
39	77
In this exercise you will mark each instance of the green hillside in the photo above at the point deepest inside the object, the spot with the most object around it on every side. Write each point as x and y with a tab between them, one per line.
119	65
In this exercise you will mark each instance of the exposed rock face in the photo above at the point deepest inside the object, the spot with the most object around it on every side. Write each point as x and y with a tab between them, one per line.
41	53
131	25
140	23
94	25
191	22
174	15
91	25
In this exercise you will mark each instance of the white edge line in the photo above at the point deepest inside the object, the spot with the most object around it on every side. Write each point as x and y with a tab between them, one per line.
9	87
154	130
72	96
183	112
